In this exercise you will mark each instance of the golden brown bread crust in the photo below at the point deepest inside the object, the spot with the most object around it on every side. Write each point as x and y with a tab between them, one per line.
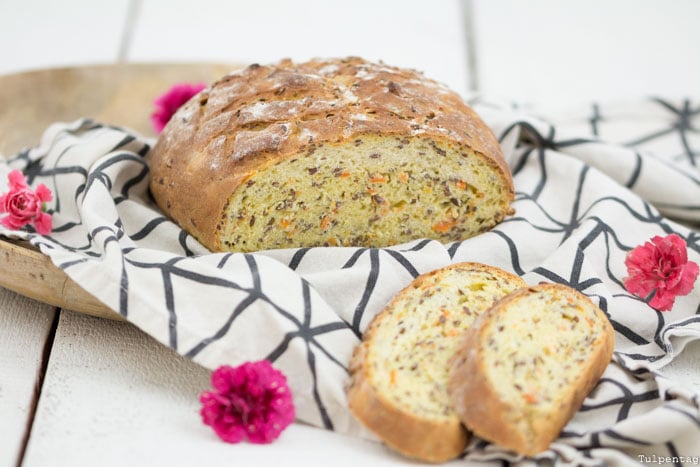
413	436
255	117
428	441
419	439
491	417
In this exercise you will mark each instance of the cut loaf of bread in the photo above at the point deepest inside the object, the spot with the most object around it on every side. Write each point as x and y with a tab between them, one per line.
525	366
399	373
328	152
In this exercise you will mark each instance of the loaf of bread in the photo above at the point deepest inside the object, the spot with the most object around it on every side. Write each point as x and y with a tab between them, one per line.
525	366
399	373
328	152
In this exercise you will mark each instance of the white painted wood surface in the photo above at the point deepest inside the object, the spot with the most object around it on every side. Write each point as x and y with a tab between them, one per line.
24	328
42	33
112	395
414	34
549	51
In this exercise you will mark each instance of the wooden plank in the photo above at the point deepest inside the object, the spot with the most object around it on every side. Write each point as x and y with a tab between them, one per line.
414	34
24	327
38	34
116	94
25	270
29	102
555	52
115	396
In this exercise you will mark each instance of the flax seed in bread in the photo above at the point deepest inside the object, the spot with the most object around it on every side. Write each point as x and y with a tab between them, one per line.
328	152
525	366
399	373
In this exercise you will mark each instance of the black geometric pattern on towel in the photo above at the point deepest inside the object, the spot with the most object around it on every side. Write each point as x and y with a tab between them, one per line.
591	184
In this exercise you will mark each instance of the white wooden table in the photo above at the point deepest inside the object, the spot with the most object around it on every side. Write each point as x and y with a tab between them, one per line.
76	390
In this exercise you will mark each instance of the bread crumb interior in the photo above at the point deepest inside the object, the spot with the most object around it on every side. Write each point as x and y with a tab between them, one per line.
536	348
376	191
409	358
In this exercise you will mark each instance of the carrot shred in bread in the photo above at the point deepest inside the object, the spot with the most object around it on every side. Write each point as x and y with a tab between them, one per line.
401	370
524	368
289	139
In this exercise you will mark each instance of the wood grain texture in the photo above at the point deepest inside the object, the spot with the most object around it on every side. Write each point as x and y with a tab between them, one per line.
115	94
24	327
25	270
113	397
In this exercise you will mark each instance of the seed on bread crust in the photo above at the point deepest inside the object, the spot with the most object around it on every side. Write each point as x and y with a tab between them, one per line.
523	369
400	371
329	130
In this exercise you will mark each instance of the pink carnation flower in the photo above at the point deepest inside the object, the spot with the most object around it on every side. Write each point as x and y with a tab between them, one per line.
660	266
251	401
168	103
25	206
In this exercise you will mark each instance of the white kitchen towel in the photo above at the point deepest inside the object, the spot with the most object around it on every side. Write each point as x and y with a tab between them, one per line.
591	183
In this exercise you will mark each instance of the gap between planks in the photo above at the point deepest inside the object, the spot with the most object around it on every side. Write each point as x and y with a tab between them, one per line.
39	384
133	11
468	26
132	14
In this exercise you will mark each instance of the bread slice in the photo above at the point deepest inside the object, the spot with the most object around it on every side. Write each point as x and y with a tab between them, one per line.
328	152
399	373
525	366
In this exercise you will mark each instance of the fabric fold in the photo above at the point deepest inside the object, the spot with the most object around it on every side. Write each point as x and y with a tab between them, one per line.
588	190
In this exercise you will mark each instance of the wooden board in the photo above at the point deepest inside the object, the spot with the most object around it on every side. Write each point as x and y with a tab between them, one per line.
25	270
114	396
25	327
116	94
29	102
